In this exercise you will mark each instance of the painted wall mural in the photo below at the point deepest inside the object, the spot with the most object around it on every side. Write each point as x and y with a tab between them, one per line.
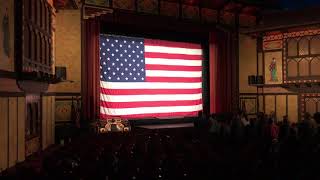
249	105
6	35
273	70
6	32
63	110
273	67
67	109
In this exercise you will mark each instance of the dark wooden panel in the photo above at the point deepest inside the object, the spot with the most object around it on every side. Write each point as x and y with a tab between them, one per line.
33	36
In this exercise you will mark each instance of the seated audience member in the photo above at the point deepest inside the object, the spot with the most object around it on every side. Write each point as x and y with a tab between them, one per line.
273	117
307	127
244	119
271	131
284	128
260	124
245	124
214	125
274	131
316	118
236	126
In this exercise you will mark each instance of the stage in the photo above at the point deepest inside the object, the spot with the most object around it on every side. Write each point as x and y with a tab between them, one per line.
166	126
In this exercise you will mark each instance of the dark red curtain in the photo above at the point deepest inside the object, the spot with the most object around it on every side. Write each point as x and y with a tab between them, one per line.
91	69
223	71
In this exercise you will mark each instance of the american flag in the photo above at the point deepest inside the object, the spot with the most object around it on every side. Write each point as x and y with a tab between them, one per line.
143	78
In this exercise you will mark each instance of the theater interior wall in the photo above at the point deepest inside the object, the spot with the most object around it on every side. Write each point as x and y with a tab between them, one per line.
13	104
267	99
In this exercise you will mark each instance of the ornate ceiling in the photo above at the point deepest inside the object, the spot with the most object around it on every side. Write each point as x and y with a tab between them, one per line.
250	12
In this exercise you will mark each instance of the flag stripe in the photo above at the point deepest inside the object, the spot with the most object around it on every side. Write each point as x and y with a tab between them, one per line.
146	98
172	68
148	104
172	56
149	85
179	62
173	79
148	110
153	42
159	73
148	91
172	50
158	115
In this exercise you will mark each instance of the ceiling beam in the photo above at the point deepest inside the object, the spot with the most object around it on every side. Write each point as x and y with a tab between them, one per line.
278	27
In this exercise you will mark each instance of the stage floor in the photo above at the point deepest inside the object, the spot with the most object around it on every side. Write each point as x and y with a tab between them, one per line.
167	126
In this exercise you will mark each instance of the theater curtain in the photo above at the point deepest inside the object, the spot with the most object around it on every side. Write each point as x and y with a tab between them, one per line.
223	72
90	69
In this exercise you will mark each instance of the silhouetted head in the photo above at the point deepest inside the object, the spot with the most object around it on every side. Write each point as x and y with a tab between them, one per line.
307	116
270	121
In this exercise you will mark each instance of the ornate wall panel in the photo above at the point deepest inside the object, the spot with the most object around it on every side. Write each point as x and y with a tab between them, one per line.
48	121
292	68
190	12
292	49
272	45
248	104
63	110
148	6
209	15
315	66
124	4
33	36
302	47
280	104
315	44
33	122
281	107
273	37
270	106
293	108
169	9
12	136
310	103
304	67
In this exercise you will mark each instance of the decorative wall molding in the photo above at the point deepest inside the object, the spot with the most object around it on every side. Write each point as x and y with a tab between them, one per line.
272	45
226	14
8	74
61	94
33	86
90	11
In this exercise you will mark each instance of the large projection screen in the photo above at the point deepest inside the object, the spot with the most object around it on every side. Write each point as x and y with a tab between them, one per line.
149	78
